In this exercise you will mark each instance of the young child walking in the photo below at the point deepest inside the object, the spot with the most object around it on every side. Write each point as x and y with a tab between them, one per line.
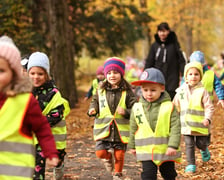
53	106
196	109
20	118
155	128
95	83
112	105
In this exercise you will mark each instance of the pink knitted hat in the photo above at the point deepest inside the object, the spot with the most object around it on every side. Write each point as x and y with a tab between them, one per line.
11	53
100	70
114	63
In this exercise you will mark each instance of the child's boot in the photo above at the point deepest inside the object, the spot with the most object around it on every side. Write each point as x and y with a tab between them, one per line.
58	172
190	168
205	155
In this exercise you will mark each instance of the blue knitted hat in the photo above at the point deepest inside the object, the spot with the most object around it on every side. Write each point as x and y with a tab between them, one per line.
197	56
39	59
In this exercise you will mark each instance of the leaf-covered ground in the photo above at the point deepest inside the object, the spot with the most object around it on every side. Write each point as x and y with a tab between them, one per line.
81	162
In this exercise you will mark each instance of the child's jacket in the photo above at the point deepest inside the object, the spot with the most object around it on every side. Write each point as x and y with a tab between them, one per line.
194	105
55	108
113	99
155	127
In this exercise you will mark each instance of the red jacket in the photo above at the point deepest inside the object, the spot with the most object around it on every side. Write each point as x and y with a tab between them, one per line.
35	122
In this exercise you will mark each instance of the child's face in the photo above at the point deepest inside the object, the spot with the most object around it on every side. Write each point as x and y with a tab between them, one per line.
6	74
38	76
193	76
100	77
152	91
114	78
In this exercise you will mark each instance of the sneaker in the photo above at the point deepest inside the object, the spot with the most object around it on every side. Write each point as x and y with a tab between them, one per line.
117	176
205	155
109	163
58	172
190	168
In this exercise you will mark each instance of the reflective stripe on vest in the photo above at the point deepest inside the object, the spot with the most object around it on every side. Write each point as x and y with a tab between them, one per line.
95	86
105	119
59	131
17	151
208	81
153	145
192	112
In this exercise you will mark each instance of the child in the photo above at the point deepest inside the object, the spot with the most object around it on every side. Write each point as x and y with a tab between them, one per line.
210	82
24	63
155	128
53	106
196	109
95	83
111	106
20	118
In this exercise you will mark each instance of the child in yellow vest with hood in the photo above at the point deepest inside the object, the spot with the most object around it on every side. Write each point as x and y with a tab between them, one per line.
196	108
155	128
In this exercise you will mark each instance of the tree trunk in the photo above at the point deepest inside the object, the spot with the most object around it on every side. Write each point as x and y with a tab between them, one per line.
62	52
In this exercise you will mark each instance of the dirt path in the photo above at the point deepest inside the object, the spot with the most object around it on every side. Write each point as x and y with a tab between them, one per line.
82	164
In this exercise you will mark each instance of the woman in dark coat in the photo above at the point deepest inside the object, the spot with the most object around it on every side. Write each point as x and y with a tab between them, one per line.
165	54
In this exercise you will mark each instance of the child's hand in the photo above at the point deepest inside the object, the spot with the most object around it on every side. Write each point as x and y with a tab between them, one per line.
205	122
133	151
92	111
171	151
120	111
52	162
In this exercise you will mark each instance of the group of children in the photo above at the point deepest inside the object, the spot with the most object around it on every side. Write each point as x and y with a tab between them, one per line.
151	127
32	113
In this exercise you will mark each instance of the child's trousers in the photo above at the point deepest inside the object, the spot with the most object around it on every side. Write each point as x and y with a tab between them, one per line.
190	142
118	156
167	170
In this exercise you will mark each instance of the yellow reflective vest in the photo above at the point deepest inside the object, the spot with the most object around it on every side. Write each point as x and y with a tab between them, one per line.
153	145
17	151
208	82
192	113
59	130
105	119
95	85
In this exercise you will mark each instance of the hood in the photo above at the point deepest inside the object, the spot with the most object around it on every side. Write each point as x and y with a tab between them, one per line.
171	38
23	85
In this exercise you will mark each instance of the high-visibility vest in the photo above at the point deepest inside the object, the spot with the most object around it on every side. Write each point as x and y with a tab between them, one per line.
103	122
153	145
192	113
129	75
208	81
95	85
17	151
59	130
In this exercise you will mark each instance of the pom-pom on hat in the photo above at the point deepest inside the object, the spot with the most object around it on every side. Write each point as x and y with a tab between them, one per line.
100	70
193	64
11	53
150	75
114	63
197	56
39	59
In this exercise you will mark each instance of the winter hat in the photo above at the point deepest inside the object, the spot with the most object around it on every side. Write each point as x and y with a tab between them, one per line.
11	53
150	75
114	63
39	59
197	56
193	64
99	70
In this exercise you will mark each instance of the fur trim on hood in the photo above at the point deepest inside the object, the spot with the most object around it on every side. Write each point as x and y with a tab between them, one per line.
23	85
